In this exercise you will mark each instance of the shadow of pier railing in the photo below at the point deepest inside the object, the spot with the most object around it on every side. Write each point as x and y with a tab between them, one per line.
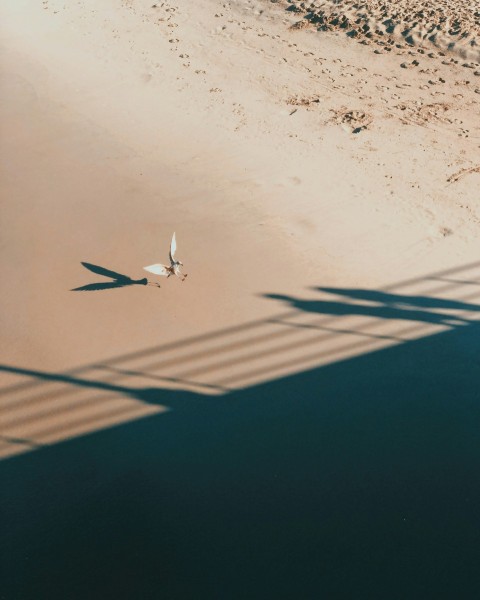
328	451
332	325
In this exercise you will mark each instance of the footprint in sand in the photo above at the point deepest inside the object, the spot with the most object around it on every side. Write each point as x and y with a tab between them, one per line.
410	65
445	231
352	121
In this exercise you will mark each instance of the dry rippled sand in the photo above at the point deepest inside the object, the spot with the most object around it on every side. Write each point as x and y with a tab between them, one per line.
448	25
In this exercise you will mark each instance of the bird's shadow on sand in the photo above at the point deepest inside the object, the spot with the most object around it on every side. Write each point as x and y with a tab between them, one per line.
118	280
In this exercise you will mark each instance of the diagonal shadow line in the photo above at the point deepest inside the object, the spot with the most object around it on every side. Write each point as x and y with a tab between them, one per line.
394	300
458	281
62	378
358	332
86	420
72	422
436	275
133	373
20	441
40	415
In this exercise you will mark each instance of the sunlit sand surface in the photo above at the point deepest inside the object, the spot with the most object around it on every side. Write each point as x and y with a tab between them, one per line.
303	408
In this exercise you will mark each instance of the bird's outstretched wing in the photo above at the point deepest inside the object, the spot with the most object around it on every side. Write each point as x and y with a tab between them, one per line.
157	269
173	248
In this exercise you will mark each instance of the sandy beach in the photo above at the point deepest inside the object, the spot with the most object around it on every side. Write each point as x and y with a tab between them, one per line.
320	165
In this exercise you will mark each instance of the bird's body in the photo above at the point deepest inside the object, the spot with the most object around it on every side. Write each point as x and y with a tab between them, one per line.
168	270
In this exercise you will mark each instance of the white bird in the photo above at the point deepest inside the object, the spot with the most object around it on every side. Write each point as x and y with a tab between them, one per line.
173	269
